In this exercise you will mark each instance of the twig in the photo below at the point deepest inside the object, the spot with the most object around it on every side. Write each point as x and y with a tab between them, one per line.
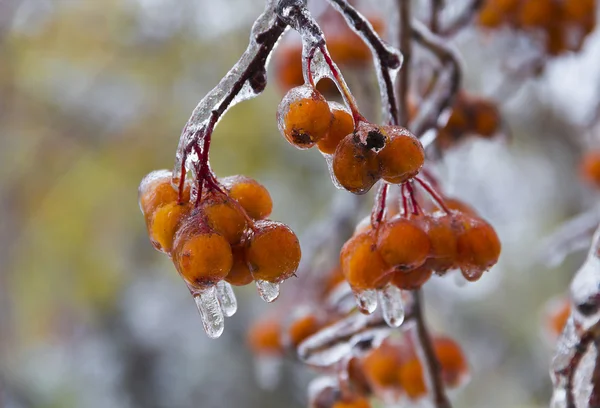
463	20
426	353
386	58
434	16
406	49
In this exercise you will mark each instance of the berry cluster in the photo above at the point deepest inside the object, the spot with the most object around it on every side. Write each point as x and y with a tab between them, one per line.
565	23
406	249
394	373
471	115
589	168
361	152
223	236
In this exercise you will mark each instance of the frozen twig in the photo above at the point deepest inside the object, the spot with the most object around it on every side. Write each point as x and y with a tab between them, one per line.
405	42
424	346
463	20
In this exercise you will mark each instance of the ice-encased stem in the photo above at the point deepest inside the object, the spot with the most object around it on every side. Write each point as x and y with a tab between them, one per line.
210	311
227	298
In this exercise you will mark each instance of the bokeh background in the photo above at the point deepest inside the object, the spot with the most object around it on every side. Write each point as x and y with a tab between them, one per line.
93	96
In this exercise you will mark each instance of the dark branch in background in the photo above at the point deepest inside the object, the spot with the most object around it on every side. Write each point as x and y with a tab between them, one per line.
462	21
385	58
434	16
426	352
449	59
406	50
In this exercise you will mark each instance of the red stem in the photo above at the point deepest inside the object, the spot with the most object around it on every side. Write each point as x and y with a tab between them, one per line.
379	207
434	194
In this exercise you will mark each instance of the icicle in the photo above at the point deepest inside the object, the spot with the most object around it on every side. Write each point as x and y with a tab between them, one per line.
366	300
334	180
210	311
268	291
392	307
227	298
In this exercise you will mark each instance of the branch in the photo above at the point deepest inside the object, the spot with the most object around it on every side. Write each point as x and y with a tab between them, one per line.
430	119
463	20
426	353
406	49
386	58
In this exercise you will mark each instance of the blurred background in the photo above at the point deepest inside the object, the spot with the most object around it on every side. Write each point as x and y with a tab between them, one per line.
93	96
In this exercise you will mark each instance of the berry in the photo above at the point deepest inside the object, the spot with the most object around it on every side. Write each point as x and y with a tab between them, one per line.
590	167
362	265
356	402
402	156
303	327
460	206
264	336
487	118
536	13
273	252
452	361
557	315
164	224
442	255
201	256
342	125
355	166
413	279
381	364
304	117
357	376
156	190
252	196
478	246
224	217
403	243
239	275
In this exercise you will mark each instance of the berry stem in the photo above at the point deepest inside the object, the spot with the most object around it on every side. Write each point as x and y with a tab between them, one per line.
411	193
426	352
404	199
434	194
385	57
379	206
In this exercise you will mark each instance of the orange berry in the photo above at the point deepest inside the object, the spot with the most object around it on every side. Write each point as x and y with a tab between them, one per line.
223	216
402	156
452	361
239	275
201	256
381	365
357	402
302	328
440	232
304	117
478	246
460	206
558	315
164	224
342	125
156	190
403	243
412	279
487	118
288	65
536	13
273	253
489	17
355	166
264	336
362	265
578	10
252	196
357	377
590	167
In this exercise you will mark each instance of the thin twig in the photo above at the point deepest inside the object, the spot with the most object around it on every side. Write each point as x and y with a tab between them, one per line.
463	20
426	352
405	42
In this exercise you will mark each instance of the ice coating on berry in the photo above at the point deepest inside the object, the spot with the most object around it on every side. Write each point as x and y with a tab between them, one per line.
225	218
155	190
355	167
240	274
303	116
342	125
252	196
273	252
210	311
164	225
392	305
227	299
362	265
403	243
402	156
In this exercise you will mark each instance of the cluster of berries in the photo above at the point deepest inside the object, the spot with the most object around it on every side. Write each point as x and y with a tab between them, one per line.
471	115
223	236
393	372
361	153
344	45
565	23
406	249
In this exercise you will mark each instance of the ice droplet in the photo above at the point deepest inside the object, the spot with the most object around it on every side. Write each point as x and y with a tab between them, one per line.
366	301
210	311
392	306
227	298
268	291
